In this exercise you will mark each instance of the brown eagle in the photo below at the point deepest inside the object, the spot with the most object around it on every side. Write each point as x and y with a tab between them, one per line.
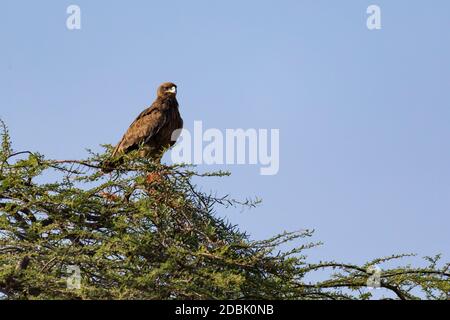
153	129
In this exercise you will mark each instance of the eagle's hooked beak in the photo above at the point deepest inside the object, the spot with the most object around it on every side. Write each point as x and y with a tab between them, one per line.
172	90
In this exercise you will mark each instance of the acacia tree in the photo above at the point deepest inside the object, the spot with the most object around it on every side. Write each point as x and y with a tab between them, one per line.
147	232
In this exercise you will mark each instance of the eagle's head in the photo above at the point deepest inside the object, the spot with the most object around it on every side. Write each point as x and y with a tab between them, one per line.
167	89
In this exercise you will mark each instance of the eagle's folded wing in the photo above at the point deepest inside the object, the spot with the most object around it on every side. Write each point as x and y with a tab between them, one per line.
146	125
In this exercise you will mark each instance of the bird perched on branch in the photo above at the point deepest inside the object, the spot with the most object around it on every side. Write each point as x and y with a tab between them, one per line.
155	129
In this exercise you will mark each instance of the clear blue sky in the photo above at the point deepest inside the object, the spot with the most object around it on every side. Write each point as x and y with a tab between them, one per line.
364	116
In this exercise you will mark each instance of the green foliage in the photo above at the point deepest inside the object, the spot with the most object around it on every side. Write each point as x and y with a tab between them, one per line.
146	232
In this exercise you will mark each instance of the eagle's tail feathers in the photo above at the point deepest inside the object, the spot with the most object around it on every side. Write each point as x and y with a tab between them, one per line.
109	166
